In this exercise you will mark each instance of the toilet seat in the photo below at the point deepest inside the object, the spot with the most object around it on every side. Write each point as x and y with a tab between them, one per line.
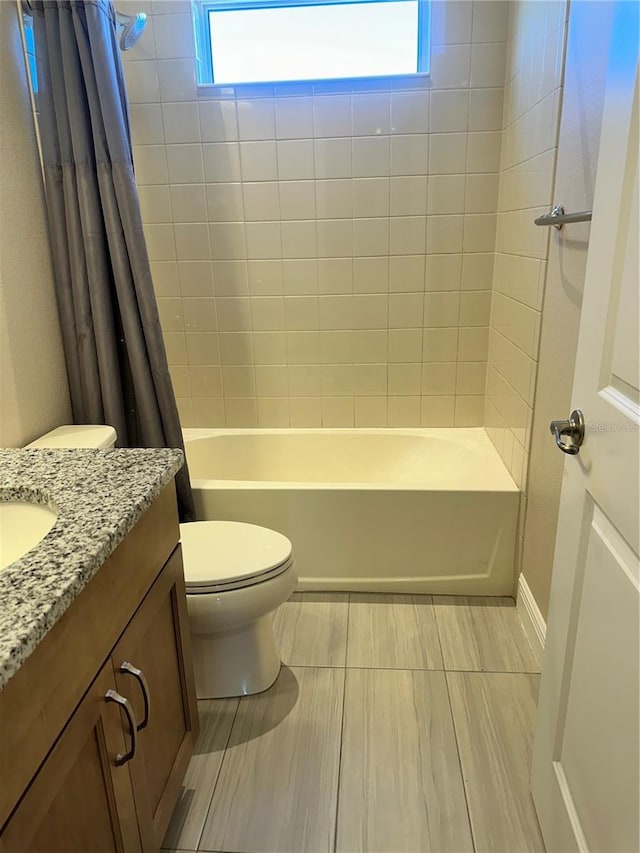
227	555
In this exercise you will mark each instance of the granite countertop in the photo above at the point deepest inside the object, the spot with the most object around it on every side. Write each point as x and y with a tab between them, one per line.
98	496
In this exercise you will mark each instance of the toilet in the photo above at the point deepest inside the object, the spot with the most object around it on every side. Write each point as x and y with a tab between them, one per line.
236	575
98	437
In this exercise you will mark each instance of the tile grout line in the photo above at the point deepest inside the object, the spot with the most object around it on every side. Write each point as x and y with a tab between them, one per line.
455	732
464	784
344	709
415	669
420	669
219	773
434	607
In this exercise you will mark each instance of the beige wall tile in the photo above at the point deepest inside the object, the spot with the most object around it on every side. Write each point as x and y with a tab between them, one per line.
438	378
331	158
332	115
337	412
185	164
218	121
208	412
258	161
485	109
146	124
370	411
451	23
440	344
409	112
188	202
370	275
155	204
151	164
299	239
305	412
450	67
264	240
173	35
256	119
469	411
241	412
294	118
449	111
177	79
297	199
273	411
443	272
221	161
166	281
181	122
289	192
437	411
229	277
161	243
371	114
446	194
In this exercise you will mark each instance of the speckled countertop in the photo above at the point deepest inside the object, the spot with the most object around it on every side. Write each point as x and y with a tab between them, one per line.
98	496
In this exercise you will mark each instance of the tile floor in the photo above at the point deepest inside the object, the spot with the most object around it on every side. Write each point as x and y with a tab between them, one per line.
398	724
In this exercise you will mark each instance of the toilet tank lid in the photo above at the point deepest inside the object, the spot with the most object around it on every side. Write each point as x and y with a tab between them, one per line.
79	435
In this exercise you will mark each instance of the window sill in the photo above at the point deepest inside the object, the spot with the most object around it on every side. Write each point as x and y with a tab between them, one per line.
220	91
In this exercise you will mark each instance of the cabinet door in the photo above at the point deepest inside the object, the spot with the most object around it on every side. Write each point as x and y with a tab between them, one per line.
80	800
157	642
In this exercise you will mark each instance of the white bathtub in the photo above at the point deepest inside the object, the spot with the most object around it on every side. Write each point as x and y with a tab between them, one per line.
387	510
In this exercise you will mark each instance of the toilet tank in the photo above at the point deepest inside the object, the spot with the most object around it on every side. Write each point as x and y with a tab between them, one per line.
84	435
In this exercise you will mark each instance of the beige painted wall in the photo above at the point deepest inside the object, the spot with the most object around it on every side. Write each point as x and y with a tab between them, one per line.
586	64
34	395
323	254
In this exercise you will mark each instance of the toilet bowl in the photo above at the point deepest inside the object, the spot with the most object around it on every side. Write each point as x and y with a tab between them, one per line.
236	575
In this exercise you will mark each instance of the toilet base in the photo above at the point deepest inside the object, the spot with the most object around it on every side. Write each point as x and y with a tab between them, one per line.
235	663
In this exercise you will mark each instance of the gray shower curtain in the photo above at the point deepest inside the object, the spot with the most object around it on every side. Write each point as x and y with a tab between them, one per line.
113	344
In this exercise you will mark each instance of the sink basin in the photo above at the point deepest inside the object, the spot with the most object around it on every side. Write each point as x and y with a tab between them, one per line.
22	526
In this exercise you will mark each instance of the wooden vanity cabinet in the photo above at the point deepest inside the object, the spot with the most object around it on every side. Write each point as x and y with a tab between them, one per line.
154	643
81	798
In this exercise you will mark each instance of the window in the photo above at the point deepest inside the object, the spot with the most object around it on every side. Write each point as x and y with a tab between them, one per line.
268	41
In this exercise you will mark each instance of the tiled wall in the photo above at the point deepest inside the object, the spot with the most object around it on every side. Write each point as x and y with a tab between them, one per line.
323	255
531	119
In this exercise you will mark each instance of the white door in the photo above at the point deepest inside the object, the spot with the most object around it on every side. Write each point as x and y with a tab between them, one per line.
585	780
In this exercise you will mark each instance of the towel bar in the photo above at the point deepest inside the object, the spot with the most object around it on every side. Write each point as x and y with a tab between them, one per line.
558	217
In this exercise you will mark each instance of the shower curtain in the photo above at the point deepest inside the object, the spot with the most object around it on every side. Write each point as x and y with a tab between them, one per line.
113	344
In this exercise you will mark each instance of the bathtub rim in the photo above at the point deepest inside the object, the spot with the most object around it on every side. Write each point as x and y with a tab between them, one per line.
508	485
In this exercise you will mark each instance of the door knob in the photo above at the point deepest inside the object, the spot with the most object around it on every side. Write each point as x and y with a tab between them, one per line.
573	429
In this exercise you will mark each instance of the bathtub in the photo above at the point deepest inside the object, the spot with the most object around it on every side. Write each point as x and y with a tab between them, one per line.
375	510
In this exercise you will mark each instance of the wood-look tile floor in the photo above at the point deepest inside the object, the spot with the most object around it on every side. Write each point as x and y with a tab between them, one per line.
398	724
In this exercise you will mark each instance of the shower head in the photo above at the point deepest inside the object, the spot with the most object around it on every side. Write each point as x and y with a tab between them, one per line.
130	28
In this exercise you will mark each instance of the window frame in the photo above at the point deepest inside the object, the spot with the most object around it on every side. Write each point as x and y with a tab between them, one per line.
204	54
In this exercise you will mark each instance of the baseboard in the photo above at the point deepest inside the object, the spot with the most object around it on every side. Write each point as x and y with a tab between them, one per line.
532	621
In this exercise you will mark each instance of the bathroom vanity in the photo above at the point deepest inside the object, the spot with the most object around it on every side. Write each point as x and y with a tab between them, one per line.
98	716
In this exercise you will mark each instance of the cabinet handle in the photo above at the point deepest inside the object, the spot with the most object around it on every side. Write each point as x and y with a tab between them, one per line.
129	668
113	696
